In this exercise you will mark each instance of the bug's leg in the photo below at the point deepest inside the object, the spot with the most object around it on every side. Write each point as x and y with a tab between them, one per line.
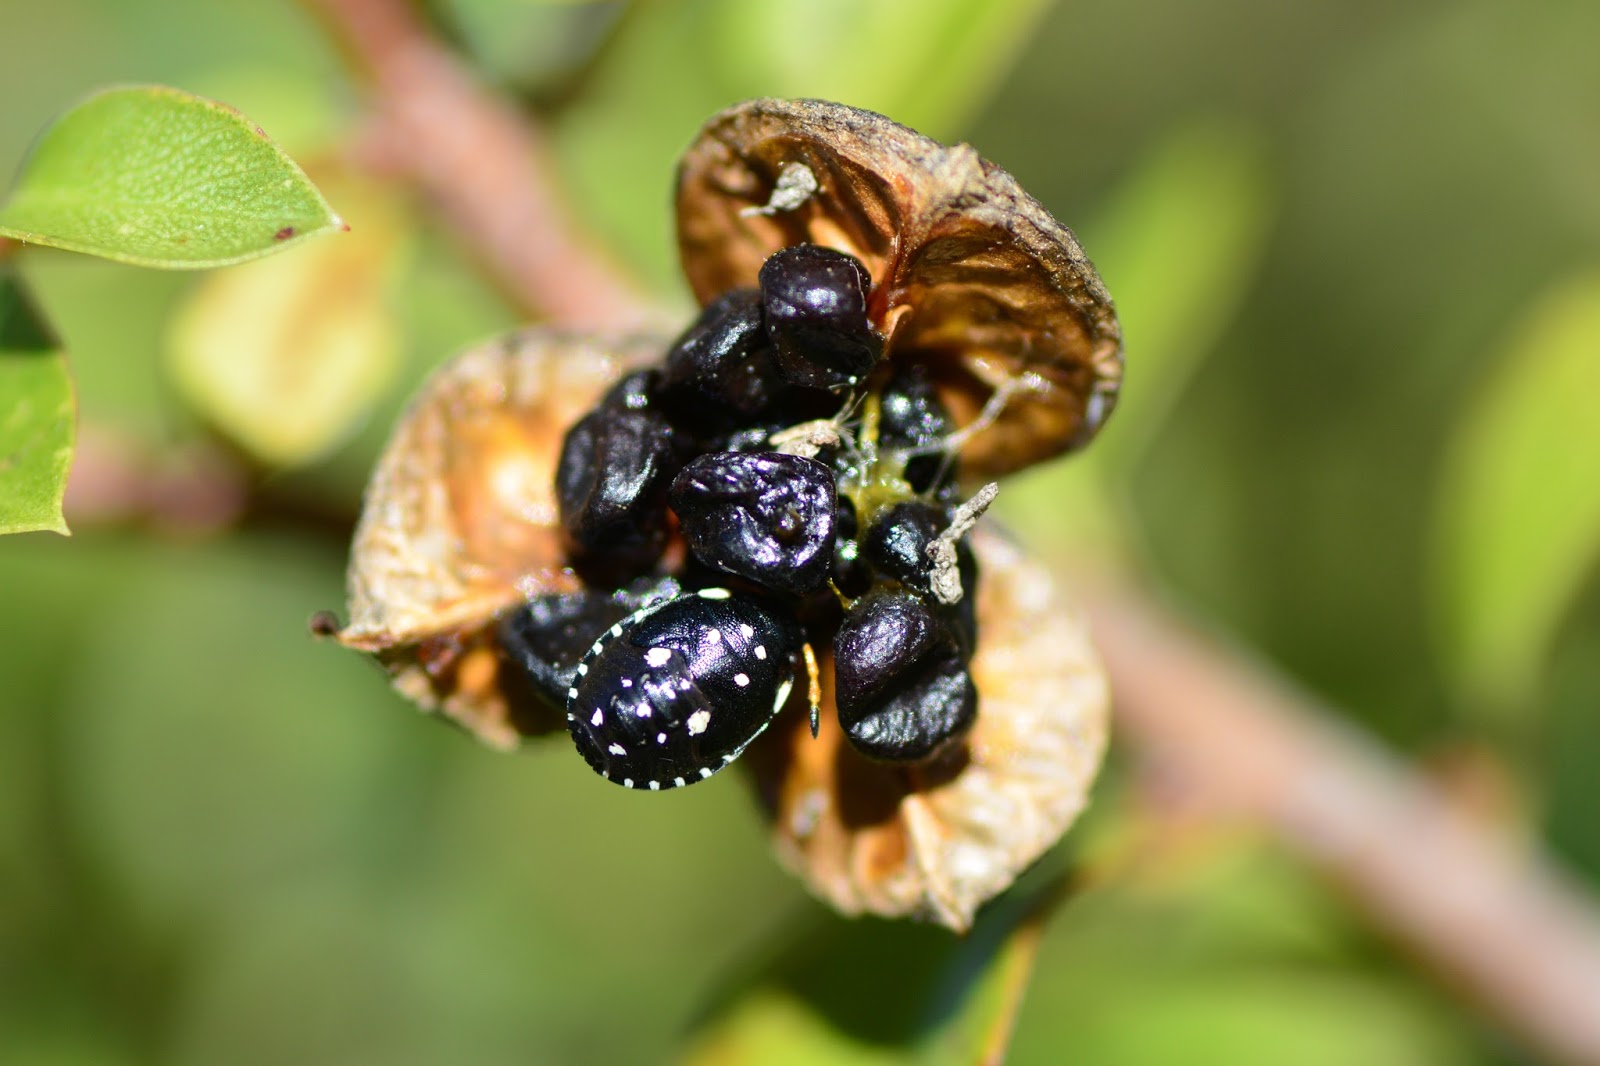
813	688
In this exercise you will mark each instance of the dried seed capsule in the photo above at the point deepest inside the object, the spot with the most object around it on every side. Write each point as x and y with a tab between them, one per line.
901	682
611	486
548	635
815	302
720	372
675	692
973	278
765	516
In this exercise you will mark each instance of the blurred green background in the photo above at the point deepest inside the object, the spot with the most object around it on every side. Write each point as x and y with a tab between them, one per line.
1357	252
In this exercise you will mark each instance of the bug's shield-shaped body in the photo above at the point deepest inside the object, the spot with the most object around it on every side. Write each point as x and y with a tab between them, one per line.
674	693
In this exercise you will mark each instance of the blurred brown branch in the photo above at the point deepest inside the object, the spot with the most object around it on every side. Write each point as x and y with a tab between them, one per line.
1485	911
1489	914
489	173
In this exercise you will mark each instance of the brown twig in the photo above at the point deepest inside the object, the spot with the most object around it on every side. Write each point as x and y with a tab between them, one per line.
488	172
1494	918
1488	913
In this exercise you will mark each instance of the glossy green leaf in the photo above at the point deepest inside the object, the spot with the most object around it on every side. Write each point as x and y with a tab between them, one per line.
38	414
873	992
1518	511
158	177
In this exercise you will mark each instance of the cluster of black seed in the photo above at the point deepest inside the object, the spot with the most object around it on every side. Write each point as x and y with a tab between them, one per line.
835	540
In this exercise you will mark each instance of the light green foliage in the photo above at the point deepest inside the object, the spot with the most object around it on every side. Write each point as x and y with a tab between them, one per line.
37	417
157	177
1518	519
1179	246
875	992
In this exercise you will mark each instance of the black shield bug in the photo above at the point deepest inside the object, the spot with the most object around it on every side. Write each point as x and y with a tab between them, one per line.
675	692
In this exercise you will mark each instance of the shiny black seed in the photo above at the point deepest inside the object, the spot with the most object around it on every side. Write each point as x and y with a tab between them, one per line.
912	418
815	304
850	573
675	692
897	544
632	393
901	682
548	635
720	372
748	439
896	547
765	516
611	487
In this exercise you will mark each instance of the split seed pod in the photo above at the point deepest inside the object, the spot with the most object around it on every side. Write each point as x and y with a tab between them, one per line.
971	278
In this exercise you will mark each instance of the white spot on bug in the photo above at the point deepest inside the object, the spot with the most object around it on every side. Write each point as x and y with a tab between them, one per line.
583	668
746	631
571	717
655	786
658	656
627	782
616	630
678	781
714	594
661	738
597	717
761	651
627	682
606	774
705	771
617	749
714	636
741	680
726	759
572	693
698	722
642	711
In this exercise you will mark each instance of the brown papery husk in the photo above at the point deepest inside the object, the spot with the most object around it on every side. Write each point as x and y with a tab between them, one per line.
459	521
972	277
935	841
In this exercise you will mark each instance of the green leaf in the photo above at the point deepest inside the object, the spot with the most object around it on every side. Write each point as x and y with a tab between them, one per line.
1518	512
38	413
158	177
872	992
288	356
